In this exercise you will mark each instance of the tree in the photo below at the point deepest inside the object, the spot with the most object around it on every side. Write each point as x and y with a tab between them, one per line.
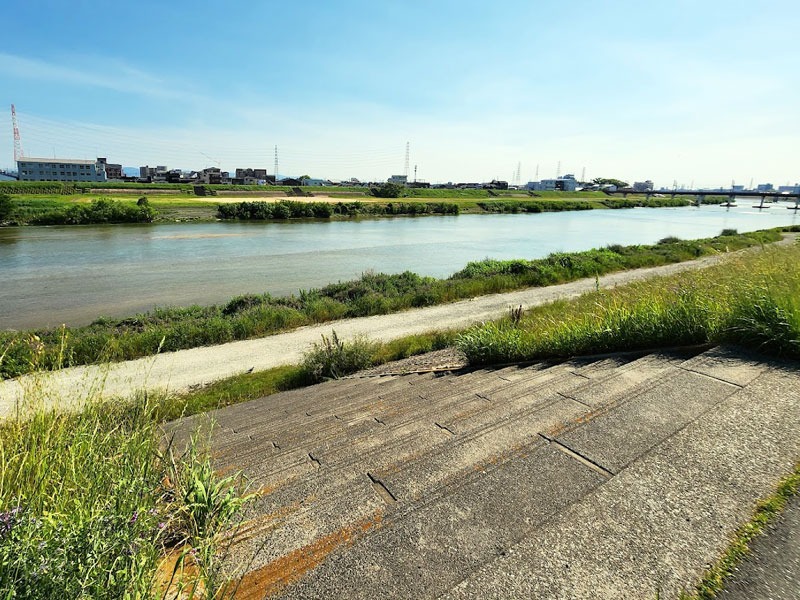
388	190
610	181
5	206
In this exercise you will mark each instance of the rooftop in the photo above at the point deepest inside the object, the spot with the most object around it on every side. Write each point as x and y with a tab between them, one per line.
74	161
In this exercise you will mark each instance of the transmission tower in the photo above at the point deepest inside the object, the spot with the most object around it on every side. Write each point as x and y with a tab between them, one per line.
408	156
518	174
17	142
536	177
558	170
583	174
276	163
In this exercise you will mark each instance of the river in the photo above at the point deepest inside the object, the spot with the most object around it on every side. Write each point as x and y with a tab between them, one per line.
72	275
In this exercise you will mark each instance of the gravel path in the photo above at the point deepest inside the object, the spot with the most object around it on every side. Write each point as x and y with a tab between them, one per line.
185	369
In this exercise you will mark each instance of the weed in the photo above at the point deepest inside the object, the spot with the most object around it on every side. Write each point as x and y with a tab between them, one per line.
333	358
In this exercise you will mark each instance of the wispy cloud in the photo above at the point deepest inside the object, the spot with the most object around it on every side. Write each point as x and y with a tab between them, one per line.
104	73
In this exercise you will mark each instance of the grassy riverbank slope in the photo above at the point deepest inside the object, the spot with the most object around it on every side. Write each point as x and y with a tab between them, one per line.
753	300
373	294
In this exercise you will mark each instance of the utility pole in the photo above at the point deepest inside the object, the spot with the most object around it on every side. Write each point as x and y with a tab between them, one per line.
17	141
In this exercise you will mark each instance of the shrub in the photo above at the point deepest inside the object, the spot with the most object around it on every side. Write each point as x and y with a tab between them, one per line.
102	210
5	206
333	358
388	190
670	239
727	232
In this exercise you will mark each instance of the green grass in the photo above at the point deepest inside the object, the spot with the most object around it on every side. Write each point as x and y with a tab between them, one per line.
252	316
753	300
767	511
92	501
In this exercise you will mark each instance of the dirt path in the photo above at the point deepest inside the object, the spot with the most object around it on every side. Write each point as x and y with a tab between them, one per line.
182	370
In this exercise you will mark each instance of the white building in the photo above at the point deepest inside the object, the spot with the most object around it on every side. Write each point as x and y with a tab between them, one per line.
60	169
567	183
401	179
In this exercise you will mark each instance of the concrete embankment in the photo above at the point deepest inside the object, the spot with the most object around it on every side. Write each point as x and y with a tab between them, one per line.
615	477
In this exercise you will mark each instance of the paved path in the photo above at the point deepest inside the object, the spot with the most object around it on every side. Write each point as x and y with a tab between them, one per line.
609	477
772	571
184	369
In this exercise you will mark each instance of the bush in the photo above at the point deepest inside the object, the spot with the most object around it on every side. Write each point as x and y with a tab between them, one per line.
99	211
5	206
388	190
333	358
670	239
290	209
727	232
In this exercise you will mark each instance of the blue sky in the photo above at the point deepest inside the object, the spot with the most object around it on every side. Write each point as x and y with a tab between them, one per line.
688	91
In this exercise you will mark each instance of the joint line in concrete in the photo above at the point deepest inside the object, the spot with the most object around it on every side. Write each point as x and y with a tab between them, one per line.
587	462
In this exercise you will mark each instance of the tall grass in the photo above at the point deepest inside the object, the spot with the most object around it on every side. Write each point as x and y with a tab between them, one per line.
753	300
252	315
92	502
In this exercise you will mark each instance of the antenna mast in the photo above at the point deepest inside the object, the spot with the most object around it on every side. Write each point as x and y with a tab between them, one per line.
17	142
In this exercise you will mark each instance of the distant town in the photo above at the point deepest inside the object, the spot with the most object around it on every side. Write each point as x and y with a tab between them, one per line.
101	170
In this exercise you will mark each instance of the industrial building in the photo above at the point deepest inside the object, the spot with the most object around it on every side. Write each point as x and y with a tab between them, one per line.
567	183
60	169
113	171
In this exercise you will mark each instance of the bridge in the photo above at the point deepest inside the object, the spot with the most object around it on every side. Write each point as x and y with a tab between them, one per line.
701	195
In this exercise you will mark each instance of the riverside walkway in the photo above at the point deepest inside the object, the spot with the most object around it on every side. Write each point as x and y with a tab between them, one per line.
186	369
594	477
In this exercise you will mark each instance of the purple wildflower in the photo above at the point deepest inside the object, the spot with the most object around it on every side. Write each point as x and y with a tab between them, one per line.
134	517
